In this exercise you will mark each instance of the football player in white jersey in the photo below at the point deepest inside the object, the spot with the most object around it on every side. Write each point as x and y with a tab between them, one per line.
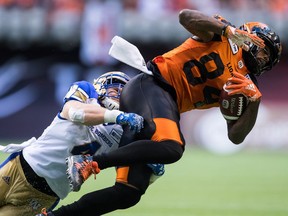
34	175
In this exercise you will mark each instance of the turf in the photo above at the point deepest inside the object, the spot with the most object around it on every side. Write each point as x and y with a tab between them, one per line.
248	183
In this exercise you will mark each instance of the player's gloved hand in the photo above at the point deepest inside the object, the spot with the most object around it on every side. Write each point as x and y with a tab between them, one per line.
157	169
239	37
135	122
239	84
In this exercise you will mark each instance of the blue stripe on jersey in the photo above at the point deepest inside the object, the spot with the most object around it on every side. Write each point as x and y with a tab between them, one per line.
54	205
11	157
60	117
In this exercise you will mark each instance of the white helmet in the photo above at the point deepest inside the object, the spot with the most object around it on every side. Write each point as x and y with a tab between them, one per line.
113	79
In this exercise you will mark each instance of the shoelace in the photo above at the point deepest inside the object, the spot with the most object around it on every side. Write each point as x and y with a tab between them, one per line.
95	168
87	168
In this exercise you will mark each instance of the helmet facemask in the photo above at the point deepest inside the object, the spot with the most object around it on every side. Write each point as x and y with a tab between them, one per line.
272	48
115	80
254	64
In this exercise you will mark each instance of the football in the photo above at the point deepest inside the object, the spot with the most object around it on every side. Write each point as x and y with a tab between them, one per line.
232	106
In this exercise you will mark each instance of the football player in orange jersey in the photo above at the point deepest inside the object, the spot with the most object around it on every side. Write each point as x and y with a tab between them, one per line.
188	77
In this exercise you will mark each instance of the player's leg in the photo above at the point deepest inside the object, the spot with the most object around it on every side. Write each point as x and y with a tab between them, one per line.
12	202
142	151
131	184
101	201
18	197
160	141
7	168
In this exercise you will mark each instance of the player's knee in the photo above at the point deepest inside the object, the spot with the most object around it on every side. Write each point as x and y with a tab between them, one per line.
174	150
128	196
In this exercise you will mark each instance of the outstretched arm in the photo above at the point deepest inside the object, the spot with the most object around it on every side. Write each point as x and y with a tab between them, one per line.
92	114
204	27
200	25
87	114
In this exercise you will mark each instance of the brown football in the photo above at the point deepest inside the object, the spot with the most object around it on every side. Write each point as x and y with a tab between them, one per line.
232	106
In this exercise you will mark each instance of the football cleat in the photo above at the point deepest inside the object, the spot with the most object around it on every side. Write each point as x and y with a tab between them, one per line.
157	169
80	168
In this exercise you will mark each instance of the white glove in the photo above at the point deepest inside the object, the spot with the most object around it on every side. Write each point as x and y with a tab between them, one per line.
239	37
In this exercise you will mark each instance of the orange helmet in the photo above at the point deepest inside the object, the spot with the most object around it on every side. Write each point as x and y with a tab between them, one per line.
273	47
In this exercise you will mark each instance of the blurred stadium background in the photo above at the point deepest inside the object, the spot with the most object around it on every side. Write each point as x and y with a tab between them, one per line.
47	44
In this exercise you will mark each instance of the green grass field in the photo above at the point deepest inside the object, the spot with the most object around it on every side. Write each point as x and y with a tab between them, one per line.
205	184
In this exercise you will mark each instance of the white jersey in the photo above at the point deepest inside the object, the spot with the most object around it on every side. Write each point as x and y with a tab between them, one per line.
47	154
62	138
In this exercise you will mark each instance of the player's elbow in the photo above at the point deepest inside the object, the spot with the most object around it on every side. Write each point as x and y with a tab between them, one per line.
196	23
186	17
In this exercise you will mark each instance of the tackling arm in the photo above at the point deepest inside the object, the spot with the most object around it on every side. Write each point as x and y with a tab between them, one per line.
92	114
87	114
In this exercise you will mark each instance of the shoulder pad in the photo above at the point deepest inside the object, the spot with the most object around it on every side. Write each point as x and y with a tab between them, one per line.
80	91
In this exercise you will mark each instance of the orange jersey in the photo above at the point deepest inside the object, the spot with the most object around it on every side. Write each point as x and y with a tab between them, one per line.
199	70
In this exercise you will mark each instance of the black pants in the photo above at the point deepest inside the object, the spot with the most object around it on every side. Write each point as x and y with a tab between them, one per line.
142	95
145	96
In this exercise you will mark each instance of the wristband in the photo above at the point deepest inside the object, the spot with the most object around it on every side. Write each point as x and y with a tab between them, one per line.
111	115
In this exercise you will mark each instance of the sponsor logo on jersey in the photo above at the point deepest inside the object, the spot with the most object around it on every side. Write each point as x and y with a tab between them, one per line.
34	204
247	76
103	137
116	135
240	64
234	47
6	179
